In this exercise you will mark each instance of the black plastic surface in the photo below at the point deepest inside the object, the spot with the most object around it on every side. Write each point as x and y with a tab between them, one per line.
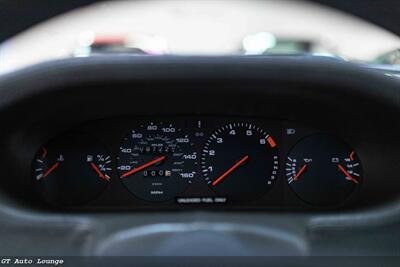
361	106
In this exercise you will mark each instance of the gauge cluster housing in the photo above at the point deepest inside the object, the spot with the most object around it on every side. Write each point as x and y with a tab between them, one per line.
311	95
259	184
357	105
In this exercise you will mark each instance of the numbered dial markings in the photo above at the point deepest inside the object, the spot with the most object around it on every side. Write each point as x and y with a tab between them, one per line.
157	162
240	161
72	169
322	170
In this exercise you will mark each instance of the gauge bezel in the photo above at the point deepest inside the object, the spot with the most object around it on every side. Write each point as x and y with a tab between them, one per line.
43	192
112	131
344	143
275	160
127	136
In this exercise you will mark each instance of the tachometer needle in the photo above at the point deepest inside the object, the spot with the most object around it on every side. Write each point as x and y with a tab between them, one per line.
231	169
51	169
97	170
144	166
300	172
348	176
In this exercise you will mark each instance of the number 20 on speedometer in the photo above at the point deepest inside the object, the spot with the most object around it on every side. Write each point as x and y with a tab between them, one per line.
156	161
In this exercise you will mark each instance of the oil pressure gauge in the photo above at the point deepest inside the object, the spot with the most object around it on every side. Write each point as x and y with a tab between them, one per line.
323	170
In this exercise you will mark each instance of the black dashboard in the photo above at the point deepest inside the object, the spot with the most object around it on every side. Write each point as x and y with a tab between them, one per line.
272	137
116	155
197	162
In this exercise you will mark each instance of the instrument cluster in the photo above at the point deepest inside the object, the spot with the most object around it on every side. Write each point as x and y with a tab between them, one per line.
195	162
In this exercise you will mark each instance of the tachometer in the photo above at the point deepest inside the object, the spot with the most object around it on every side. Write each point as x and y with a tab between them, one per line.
157	161
240	161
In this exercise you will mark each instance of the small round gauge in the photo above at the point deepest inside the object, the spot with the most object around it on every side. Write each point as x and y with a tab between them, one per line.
323	170
240	161
71	169
156	162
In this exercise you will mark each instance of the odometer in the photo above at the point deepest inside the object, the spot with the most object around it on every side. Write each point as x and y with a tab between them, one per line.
240	161
156	161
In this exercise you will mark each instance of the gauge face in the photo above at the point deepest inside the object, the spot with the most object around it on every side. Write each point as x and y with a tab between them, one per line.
157	162
322	170
72	169
240	161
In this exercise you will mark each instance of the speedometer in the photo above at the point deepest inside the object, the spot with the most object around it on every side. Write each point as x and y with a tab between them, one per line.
157	161
240	161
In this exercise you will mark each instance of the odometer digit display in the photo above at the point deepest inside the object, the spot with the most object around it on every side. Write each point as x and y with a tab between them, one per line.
156	161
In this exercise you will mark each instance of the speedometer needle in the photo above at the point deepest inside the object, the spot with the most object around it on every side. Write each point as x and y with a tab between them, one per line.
348	176
231	169
144	166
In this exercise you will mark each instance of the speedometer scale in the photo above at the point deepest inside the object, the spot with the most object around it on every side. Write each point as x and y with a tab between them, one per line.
240	161
156	162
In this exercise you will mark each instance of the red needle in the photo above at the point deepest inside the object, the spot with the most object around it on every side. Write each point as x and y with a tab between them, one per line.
44	152
234	167
296	177
348	176
352	155
52	168
144	166
97	170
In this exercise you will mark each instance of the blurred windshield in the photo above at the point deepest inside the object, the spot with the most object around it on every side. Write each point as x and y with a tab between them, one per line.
201	27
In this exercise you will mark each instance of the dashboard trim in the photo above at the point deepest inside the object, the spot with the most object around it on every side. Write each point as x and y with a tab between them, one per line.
361	104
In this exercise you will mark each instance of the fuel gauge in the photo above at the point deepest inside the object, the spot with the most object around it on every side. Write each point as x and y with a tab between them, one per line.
323	170
72	169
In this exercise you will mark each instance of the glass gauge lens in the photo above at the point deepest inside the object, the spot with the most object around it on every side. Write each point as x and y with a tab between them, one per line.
240	161
322	170
157	161
72	169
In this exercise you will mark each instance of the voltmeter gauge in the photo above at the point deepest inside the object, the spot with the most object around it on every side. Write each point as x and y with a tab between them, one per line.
323	170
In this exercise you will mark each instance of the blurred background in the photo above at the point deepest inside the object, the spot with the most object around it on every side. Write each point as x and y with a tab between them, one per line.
201	27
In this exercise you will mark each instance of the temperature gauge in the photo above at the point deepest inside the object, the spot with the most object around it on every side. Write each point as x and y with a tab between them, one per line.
71	170
322	170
